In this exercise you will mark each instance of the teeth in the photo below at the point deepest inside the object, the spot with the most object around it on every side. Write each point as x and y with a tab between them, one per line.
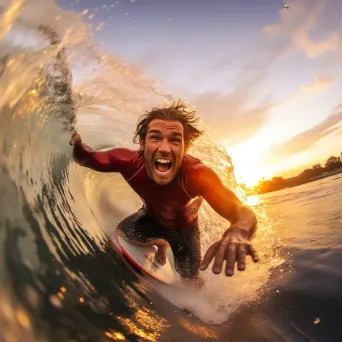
163	161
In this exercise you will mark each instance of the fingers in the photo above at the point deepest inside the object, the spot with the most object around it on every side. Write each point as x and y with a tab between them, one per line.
242	258
231	258
75	139
209	255
231	252
253	253
220	257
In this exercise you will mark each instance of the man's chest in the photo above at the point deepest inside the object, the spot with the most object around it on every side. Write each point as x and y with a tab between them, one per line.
170	195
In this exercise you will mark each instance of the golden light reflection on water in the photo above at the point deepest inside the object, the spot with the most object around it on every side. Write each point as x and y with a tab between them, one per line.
145	323
115	336
15	321
60	295
31	102
11	14
23	319
151	325
199	330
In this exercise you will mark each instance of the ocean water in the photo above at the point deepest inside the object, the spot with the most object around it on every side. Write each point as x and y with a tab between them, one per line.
60	279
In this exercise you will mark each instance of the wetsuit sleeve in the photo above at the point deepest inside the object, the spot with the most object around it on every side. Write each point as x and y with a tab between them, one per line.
104	161
205	182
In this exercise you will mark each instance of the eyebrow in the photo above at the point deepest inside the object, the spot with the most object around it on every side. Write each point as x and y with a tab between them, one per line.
156	131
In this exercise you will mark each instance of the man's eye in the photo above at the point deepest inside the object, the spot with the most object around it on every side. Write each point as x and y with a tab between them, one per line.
154	137
176	140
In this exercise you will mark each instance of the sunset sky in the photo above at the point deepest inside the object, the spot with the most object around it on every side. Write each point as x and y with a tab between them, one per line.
266	81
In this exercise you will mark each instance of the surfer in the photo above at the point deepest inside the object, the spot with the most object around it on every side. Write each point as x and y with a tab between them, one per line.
172	185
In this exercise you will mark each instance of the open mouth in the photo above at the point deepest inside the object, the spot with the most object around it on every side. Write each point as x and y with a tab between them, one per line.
163	166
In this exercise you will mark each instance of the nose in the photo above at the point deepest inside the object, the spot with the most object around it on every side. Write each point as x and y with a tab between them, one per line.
164	146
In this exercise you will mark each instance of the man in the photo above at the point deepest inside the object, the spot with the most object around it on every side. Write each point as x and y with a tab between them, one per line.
172	186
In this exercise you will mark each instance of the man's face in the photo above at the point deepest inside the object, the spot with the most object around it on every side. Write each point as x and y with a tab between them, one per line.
163	149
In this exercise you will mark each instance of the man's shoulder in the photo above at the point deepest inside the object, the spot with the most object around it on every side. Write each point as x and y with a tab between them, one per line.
190	161
124	155
195	170
195	175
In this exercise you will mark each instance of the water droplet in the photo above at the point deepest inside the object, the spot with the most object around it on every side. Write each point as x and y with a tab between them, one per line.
108	334
55	301
23	318
317	320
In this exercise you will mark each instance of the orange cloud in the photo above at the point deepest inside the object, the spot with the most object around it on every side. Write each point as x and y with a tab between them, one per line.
271	30
320	83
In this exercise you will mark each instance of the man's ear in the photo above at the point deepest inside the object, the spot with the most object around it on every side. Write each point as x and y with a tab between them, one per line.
142	144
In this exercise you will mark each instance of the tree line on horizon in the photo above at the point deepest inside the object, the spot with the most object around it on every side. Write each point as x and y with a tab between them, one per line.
315	172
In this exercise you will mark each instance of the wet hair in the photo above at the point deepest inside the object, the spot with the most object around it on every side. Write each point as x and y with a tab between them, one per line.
177	111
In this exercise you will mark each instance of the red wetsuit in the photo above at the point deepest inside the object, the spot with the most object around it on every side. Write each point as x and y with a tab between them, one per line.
174	205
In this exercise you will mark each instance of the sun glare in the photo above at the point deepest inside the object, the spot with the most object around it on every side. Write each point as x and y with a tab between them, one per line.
253	200
247	160
248	169
247	173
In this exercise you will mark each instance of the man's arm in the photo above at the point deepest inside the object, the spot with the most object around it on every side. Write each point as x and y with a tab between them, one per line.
235	242
88	157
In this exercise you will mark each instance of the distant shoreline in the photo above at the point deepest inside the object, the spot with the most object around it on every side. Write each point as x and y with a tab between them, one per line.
326	174
322	176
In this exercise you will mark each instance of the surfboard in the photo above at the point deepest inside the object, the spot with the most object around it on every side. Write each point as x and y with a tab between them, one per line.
142	257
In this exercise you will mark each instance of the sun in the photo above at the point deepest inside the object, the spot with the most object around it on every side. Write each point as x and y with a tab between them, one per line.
247	173
248	163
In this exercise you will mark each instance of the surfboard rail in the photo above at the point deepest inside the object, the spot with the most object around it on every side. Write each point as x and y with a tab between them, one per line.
142	258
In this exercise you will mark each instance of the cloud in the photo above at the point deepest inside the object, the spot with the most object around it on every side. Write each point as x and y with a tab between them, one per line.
230	117
296	26
338	108
316	48
271	30
320	83
307	139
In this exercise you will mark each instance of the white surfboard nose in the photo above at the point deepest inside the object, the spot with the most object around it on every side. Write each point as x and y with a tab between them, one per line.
143	258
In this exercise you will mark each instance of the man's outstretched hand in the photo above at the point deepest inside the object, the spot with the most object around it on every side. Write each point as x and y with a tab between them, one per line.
233	247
